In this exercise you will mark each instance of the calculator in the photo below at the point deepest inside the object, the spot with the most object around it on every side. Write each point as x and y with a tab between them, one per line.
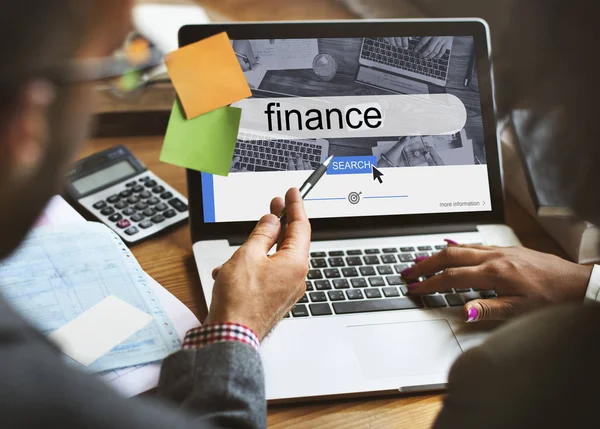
117	189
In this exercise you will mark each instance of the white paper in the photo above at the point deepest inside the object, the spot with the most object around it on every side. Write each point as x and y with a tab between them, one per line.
281	54
57	212
99	329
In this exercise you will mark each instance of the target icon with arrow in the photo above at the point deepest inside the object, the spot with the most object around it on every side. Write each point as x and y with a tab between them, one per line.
354	197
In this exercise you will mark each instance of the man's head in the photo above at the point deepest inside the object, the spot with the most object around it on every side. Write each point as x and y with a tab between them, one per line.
42	122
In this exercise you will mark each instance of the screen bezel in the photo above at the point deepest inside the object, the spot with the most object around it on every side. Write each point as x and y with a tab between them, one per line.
348	29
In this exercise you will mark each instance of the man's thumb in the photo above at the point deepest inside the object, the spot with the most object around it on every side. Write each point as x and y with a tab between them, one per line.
265	235
494	309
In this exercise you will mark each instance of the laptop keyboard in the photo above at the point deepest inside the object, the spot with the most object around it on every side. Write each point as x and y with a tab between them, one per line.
369	280
257	153
379	51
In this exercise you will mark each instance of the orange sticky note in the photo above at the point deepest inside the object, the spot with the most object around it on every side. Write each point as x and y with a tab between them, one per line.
207	75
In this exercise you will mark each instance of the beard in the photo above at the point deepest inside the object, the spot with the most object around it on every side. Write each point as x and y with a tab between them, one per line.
67	127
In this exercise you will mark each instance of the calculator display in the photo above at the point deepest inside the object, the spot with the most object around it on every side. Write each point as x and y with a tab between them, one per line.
101	178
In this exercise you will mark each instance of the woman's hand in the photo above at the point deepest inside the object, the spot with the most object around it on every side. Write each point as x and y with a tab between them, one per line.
523	279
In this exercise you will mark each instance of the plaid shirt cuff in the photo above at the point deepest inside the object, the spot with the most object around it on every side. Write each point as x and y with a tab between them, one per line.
218	333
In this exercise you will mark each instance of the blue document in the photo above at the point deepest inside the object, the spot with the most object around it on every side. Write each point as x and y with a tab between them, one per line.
60	272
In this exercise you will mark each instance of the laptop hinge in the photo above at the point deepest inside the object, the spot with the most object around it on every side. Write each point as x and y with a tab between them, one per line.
378	232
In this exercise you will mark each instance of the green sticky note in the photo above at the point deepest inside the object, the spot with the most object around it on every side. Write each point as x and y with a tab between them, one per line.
204	143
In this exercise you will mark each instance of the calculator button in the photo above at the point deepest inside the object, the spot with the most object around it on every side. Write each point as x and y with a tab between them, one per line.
113	199
137	188
137	217
150	184
121	205
100	205
146	224
132	231
141	206
158	190
158	219
149	212
160	207
166	195
131	184
178	205
125	194
123	223
133	200
107	211
144	179
170	213
115	218
152	201
128	211
145	194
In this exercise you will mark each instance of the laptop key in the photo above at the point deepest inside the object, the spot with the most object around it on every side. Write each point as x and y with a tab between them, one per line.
406	257
385	270
303	300
403	289
388	259
314	274
359	282
394	280
390	292
354	294
348	307
336	262
376	281
309	286
424	248
320	309
390	250
336	295
372	251
421	255
332	273
336	253
407	249
350	272
440	247
300	311
487	294
400	268
354	252
318	297
434	301
318	254
367	271
371	260
372	293
341	284
462	290
322	285
318	263
354	261
454	300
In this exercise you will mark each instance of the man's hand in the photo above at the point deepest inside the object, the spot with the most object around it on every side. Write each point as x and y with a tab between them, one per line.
523	279
243	47
398	42
257	290
434	47
297	163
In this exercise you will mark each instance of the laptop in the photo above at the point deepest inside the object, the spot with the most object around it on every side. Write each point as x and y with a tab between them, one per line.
356	331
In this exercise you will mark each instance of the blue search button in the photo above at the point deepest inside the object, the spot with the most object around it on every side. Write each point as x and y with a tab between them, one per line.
352	165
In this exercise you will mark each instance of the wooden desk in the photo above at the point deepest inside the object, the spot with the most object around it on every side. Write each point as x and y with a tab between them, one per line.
169	260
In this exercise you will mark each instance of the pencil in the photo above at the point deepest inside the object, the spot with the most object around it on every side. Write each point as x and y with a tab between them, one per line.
469	74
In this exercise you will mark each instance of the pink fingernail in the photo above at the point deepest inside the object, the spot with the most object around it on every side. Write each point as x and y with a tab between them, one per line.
413	286
451	242
420	259
406	272
473	314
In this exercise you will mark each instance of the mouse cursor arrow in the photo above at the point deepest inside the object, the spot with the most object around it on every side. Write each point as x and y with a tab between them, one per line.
377	175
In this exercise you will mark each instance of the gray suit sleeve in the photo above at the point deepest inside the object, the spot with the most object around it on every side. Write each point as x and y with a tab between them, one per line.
219	386
539	371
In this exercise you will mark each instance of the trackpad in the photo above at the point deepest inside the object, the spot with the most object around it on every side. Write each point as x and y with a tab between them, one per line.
399	349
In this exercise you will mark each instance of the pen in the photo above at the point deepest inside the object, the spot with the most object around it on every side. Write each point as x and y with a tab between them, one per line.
244	58
311	182
470	68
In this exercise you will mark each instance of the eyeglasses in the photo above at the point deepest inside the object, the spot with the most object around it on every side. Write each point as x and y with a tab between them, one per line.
125	71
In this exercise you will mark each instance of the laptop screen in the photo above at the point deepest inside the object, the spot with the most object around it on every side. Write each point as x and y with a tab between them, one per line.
401	117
